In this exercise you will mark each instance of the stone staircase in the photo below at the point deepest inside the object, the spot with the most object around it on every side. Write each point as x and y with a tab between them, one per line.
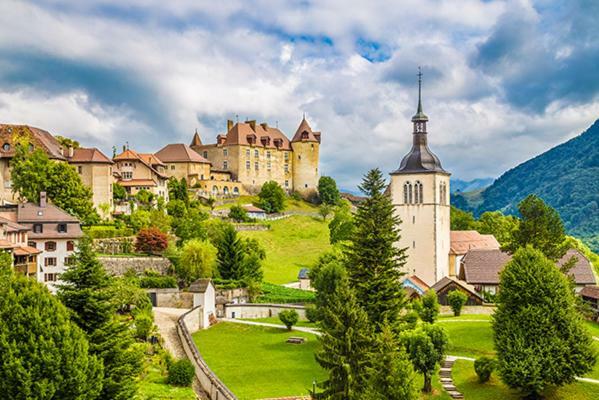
447	380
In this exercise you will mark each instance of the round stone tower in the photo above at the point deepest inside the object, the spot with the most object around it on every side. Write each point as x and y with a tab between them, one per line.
306	146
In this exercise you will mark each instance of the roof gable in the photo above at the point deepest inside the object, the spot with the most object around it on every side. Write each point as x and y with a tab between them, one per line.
179	152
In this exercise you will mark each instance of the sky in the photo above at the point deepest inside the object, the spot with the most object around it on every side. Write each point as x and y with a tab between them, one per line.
503	81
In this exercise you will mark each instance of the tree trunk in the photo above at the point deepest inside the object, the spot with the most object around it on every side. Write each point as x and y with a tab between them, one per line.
428	386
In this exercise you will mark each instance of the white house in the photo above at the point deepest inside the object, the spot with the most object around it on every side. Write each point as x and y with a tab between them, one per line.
204	295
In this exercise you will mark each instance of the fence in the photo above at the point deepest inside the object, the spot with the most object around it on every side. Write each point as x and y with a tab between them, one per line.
215	389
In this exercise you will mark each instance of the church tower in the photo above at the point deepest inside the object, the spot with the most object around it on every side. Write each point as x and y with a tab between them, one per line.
419	191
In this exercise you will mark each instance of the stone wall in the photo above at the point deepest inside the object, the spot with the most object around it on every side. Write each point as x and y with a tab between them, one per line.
186	325
171	297
118	266
114	245
257	310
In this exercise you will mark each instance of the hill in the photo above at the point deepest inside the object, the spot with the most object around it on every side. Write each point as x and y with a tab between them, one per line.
458	185
566	177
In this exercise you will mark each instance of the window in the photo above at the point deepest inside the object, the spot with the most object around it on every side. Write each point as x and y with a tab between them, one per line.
80	169
6	146
286	183
236	190
50	261
127	175
268	166
286	156
407	193
247	165
286	168
62	228
256	153
268	154
50	277
70	245
413	219
50	246
299	157
32	244
38	228
256	166
205	154
247	153
172	167
69	261
443	193
225	165
225	152
418	193
413	244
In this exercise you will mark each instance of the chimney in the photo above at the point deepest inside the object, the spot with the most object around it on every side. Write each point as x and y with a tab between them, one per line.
124	148
43	199
264	126
71	151
252	124
229	124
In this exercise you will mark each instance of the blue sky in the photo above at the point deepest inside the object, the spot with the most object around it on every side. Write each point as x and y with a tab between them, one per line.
503	80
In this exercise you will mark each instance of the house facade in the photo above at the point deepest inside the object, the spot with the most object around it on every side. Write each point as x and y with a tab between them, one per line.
137	171
14	239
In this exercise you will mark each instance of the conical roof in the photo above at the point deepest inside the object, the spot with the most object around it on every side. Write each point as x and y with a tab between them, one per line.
196	141
304	133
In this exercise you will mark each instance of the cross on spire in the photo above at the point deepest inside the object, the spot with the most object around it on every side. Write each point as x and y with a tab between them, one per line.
420	116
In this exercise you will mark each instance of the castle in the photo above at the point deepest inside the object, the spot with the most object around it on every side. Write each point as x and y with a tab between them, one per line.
257	153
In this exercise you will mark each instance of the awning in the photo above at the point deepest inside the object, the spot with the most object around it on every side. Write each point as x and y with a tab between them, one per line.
26	251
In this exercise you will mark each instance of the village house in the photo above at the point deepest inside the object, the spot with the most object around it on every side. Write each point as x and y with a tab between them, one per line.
481	269
51	231
463	241
14	239
448	284
414	287
137	171
257	153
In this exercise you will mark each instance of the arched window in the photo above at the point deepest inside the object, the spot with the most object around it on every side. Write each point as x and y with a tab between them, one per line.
443	193
418	192
407	193
410	193
235	190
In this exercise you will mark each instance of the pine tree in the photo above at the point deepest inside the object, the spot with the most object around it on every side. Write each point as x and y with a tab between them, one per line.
539	336
230	256
345	344
374	263
43	354
86	291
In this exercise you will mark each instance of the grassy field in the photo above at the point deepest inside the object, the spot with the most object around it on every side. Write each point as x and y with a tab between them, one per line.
290	204
153	386
291	244
275	320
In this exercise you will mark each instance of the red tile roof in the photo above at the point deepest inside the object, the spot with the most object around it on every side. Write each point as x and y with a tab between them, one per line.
89	155
179	152
590	291
462	241
304	133
11	134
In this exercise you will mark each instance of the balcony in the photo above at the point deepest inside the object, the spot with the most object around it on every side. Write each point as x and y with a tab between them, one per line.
27	269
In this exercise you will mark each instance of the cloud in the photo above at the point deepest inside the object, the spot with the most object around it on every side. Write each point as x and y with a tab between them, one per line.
504	80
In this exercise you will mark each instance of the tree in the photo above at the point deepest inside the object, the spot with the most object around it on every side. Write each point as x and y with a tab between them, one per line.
457	299
345	345
86	292
499	225
289	318
272	197
342	225
428	307
238	213
391	375
177	190
327	191
44	355
230	255
144	198
539	336
118	192
461	220
326	276
325	210
374	262
151	241
198	260
191	226
211	202
176	209
150	218
426	348
540	227
33	172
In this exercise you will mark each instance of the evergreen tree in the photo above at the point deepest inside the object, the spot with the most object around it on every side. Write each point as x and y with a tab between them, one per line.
428	307
86	292
230	255
374	262
345	345
43	354
539	336
342	224
327	191
391	375
540	227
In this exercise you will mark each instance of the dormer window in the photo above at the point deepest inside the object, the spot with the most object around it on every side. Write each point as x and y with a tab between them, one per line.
38	228
62	228
6	146
305	135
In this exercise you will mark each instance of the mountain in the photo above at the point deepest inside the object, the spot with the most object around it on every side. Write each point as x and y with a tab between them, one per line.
566	177
458	185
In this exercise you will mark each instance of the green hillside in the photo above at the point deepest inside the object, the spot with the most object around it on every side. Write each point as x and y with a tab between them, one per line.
566	177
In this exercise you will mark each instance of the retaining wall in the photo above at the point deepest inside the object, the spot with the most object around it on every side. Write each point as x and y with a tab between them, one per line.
118	266
257	310
187	324
171	297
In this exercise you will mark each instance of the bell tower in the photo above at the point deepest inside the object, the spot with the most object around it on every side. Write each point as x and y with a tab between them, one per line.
419	191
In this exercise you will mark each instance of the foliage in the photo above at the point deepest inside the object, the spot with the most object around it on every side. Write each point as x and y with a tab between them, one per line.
144	197
540	227
325	210
144	324
327	191
176	208
272	197
461	220
312	313
457	299
44	354
289	318
539	336
151	241
33	172
198	260
140	219
238	213
391	375
191	226
181	373
118	192
345	345
239	259
125	293
499	225
428	307
374	262
278	294
484	367
426	347
157	281
342	225
107	231
177	190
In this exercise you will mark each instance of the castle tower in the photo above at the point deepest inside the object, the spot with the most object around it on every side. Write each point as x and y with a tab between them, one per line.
420	193
306	147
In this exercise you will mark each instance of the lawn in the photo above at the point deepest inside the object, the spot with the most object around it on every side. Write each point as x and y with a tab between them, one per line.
290	204
291	244
466	381
593	327
469	339
153	386
256	362
276	320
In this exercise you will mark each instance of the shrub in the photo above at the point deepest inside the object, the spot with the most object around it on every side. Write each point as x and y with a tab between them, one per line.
272	197
181	372
484	367
289	318
238	214
456	300
281	294
428	309
312	313
151	241
143	325
107	231
157	282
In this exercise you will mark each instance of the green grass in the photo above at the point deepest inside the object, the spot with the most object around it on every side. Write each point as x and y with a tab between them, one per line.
291	244
470	339
482	317
593	327
278	294
466	381
275	320
256	362
290	204
153	386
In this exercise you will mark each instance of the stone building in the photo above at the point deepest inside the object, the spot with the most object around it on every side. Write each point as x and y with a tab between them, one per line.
14	239
257	153
136	171
419	190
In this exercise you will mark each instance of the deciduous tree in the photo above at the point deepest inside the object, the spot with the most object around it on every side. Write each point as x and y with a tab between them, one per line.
151	241
197	260
272	197
426	347
327	191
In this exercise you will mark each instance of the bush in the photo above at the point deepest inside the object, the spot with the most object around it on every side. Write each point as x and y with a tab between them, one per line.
143	325
151	241
312	313
157	282
272	197
238	214
107	232
484	367
181	373
289	318
428	307
282	295
456	300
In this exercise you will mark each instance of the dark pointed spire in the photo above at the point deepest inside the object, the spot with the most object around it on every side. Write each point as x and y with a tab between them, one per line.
419	116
